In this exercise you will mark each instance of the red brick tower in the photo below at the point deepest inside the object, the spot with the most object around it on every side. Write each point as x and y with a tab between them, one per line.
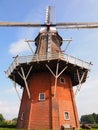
47	79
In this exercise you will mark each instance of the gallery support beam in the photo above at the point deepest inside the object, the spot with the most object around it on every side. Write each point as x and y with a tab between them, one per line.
14	83
56	75
24	77
80	82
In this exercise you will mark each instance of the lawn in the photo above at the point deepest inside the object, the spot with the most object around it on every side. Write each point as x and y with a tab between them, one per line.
22	129
10	129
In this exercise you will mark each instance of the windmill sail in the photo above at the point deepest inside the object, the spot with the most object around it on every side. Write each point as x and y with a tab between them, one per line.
50	15
48	78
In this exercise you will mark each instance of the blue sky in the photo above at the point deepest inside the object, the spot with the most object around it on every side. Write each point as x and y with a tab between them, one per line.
83	46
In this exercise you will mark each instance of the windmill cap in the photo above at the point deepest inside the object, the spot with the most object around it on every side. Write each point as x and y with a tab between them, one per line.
44	29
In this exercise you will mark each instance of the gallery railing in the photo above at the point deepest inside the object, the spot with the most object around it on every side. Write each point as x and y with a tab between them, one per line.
50	56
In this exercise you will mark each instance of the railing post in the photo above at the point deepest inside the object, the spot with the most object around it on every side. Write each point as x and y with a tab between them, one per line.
37	57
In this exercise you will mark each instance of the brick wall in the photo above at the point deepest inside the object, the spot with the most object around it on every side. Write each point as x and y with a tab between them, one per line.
50	112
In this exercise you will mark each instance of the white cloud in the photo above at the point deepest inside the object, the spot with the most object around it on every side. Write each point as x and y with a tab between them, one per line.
9	110
9	106
15	92
87	97
12	90
18	47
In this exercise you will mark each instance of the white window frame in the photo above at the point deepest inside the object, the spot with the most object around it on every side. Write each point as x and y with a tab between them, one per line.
63	79
40	96
68	118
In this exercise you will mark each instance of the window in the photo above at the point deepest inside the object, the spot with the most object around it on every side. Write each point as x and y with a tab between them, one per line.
22	115
62	80
66	116
41	96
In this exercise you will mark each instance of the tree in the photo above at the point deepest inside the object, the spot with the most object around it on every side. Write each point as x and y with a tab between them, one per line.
97	118
14	121
83	119
87	119
1	118
91	119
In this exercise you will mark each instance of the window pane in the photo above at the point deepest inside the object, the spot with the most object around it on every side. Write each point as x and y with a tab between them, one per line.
62	80
42	96
66	116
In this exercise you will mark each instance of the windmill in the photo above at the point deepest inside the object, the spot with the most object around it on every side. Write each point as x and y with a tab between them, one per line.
48	77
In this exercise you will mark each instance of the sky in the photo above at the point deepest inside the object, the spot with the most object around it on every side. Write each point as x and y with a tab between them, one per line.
84	45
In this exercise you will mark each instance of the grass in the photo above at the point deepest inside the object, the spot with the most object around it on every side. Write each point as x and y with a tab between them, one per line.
10	129
22	129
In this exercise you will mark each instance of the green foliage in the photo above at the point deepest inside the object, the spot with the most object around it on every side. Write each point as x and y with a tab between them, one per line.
14	121
95	126
3	124
7	124
1	118
10	129
90	118
87	119
97	119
